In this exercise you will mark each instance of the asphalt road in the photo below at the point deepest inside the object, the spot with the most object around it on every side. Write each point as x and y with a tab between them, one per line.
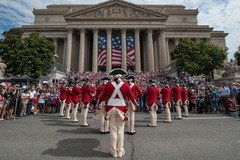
48	137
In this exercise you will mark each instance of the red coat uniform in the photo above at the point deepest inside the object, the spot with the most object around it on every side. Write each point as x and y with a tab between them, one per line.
108	91
76	95
86	94
63	93
176	92
137	92
152	94
184	94
99	90
69	96
166	95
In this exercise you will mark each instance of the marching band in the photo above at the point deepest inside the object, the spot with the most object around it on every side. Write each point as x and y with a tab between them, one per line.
117	103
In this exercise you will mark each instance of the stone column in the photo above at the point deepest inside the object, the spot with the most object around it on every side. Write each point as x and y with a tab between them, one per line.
176	41
145	53
55	42
150	50
155	47
81	50
162	49
167	52
95	51
109	50
137	51
124	49
69	49
64	51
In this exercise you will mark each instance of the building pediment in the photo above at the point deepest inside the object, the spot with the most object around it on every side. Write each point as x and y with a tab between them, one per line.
116	9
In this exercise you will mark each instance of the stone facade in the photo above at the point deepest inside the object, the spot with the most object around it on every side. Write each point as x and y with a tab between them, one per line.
74	29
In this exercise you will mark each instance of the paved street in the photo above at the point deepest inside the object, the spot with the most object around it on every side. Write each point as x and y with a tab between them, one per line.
47	137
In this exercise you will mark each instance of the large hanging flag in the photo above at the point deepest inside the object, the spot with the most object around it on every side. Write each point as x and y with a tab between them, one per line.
116	50
102	52
130	50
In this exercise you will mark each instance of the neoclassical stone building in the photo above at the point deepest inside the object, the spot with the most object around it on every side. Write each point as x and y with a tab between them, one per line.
82	32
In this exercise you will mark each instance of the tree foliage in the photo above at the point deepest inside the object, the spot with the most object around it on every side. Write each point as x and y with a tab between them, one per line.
32	55
198	57
237	55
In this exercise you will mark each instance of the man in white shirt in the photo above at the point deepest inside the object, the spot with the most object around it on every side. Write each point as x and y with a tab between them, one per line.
32	92
224	95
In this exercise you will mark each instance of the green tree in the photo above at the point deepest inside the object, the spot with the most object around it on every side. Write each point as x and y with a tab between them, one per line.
32	55
198	57
237	55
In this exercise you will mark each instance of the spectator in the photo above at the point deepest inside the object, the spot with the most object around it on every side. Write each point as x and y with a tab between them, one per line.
231	108
2	106
224	95
24	102
6	100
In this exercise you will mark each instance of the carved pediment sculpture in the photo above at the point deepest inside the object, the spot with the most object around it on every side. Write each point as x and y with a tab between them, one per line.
119	9
116	11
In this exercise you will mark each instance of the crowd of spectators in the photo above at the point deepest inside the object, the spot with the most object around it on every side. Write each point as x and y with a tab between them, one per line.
22	99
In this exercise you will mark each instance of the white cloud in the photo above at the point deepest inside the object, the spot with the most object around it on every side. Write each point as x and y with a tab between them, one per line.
220	14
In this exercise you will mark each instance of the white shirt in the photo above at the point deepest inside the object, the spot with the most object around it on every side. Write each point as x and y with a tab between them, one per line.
32	93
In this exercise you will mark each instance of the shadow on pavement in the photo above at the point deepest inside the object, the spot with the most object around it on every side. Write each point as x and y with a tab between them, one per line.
80	130
139	125
86	147
53	120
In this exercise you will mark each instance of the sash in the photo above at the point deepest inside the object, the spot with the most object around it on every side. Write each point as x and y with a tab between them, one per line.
116	101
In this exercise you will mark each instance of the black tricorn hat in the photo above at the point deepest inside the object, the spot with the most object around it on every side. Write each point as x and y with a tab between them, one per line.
73	84
62	82
105	78
118	71
152	81
130	77
76	80
85	79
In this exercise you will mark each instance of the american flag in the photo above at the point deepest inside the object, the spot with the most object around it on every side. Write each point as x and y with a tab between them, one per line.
116	50
130	50
102	52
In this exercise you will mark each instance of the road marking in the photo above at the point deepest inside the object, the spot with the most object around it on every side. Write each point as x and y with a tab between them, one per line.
209	118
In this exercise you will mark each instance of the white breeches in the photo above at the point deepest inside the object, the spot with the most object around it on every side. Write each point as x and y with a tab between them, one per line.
62	107
167	111
74	112
68	110
178	108
116	124
153	115
84	112
185	107
131	117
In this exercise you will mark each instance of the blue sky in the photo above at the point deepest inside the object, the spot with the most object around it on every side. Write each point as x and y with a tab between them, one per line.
221	14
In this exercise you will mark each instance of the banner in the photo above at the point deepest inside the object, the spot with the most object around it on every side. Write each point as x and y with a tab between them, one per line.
116	50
